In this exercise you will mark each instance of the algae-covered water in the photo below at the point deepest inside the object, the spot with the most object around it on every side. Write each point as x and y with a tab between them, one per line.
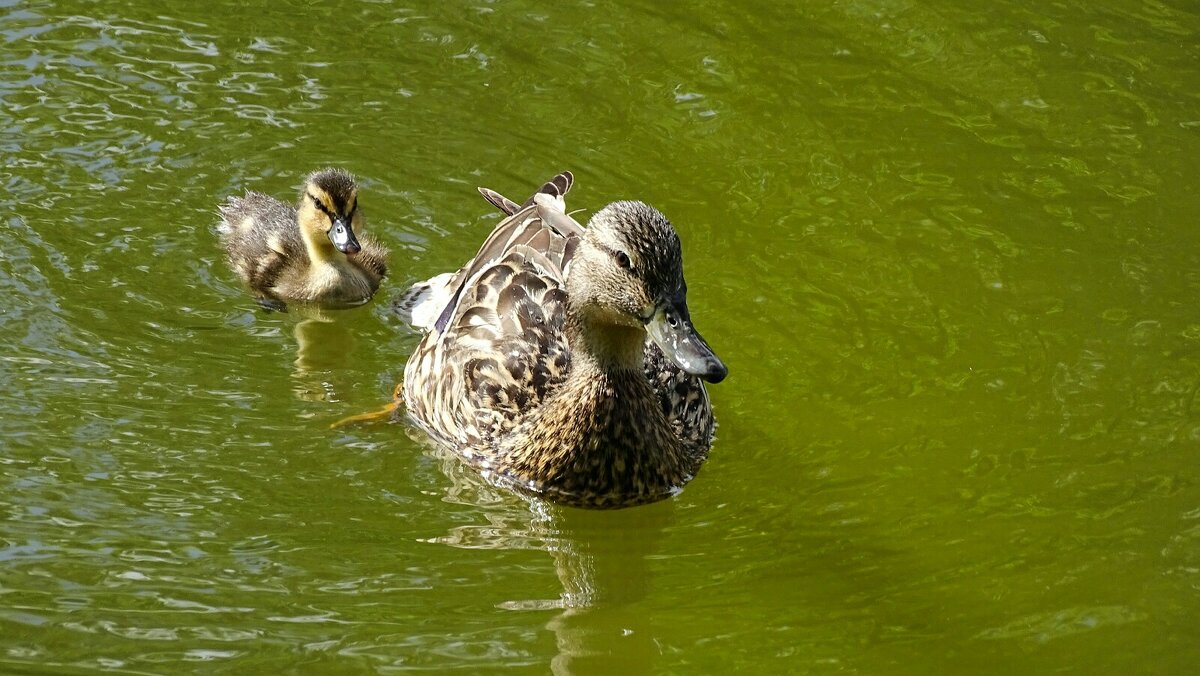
949	253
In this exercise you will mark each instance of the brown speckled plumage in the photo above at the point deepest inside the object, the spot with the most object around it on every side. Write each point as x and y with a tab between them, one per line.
284	254
560	393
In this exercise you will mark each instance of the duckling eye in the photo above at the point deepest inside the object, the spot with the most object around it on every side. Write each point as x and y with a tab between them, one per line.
319	205
623	260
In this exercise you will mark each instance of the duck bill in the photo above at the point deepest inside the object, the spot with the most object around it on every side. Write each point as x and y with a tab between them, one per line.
343	237
671	329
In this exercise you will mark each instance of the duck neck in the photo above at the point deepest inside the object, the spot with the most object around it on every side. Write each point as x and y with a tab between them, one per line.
320	250
603	435
604	347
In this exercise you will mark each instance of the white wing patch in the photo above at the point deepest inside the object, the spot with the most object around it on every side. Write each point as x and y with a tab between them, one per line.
424	301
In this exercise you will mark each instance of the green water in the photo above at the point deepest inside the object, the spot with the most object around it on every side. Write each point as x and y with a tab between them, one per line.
949	252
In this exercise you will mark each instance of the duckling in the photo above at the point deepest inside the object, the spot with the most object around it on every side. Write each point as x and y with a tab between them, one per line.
310	254
562	360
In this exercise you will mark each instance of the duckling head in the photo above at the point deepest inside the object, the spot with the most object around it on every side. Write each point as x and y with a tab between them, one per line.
328	209
628	272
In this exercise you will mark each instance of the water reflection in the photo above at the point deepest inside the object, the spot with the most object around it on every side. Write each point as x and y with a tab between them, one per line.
603	561
325	341
954	245
323	346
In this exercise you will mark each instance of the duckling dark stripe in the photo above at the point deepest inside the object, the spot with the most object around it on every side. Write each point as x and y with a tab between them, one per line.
320	205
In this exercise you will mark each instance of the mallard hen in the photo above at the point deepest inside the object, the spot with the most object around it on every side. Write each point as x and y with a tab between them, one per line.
562	360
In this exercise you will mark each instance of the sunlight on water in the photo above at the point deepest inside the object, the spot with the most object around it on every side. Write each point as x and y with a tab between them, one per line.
948	253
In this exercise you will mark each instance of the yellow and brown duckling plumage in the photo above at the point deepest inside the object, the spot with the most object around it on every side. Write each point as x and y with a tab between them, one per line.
314	253
562	360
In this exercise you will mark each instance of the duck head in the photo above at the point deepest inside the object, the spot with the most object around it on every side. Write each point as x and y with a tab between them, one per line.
328	208
628	272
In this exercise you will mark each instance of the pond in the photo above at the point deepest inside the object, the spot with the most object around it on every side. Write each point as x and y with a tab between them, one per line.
949	254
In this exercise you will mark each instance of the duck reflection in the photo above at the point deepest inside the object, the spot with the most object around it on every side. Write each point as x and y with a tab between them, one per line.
602	560
603	563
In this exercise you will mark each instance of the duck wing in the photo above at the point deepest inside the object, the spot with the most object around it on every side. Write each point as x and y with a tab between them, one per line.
497	347
261	238
556	188
430	304
683	399
539	228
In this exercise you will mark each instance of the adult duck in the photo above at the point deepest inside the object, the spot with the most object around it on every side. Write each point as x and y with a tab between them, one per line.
562	360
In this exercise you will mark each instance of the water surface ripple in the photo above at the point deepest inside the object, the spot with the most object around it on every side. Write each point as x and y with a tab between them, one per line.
948	252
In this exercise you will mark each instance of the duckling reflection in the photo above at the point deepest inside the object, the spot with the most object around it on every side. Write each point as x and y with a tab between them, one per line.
324	344
601	559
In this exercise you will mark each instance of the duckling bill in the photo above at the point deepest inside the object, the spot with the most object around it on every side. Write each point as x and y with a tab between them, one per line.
314	253
562	360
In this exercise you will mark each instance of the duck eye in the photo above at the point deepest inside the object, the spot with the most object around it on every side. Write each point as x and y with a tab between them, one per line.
623	260
320	206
